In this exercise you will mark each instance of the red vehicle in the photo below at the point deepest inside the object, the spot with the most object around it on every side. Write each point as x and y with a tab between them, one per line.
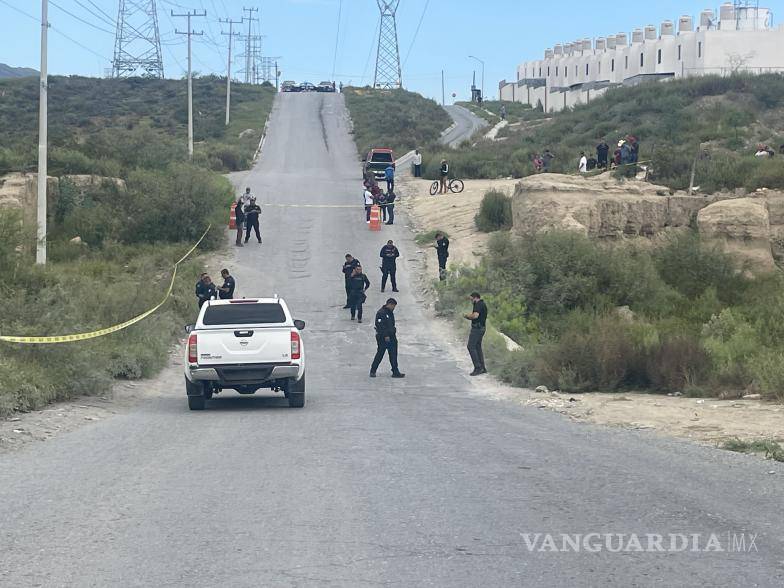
378	160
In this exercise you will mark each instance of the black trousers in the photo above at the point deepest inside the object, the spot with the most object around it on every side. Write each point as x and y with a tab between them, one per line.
388	272
385	347
475	347
390	185
367	212
355	302
389	212
384	213
417	171
442	267
254	225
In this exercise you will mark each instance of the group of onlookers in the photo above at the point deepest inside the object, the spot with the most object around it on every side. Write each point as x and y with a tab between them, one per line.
373	195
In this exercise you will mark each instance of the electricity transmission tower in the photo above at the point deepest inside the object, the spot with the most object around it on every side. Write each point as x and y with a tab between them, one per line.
137	46
388	74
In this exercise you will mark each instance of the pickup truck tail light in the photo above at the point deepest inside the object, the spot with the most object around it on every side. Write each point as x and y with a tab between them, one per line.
296	348
193	355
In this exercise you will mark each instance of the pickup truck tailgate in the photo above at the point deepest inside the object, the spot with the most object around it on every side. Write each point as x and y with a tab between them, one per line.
244	346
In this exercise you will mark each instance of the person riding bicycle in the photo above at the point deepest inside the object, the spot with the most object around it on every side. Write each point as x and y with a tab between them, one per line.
444	175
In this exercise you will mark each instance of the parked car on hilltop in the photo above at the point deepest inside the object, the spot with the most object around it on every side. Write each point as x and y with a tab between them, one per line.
326	87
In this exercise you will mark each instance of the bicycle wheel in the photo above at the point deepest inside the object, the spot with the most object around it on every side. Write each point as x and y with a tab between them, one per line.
434	188
456	186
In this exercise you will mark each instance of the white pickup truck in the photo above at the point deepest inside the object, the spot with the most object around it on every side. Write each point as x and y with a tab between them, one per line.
244	345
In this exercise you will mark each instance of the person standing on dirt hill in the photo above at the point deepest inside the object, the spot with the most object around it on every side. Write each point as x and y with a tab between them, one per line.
417	164
444	174
503	112
547	158
205	289
239	215
583	165
602	153
389	254
358	284
386	339
478	318
389	176
442	250
252	212
348	269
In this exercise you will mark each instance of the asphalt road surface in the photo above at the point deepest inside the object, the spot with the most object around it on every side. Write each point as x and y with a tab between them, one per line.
420	482
466	124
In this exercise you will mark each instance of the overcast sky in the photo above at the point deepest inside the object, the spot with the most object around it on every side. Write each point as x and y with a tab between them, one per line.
304	34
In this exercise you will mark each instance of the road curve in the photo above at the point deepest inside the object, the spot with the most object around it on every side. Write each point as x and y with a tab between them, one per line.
466	125
420	482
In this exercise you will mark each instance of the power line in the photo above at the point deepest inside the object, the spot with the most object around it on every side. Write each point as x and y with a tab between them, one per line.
99	16
337	39
80	19
370	54
59	32
421	18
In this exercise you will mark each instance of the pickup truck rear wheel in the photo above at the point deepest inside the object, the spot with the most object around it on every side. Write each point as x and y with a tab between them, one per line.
195	391
196	402
296	393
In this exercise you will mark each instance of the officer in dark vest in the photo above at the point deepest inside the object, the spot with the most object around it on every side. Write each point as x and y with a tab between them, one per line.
357	284
389	254
386	339
348	269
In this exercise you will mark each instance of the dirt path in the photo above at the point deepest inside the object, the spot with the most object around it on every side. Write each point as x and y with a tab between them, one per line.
704	420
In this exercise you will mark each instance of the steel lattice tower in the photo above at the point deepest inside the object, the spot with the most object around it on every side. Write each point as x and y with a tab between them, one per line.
388	74
137	46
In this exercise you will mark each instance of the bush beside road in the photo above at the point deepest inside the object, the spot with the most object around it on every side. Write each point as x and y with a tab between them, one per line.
112	245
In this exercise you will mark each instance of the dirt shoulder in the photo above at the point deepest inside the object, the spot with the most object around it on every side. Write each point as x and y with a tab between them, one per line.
707	420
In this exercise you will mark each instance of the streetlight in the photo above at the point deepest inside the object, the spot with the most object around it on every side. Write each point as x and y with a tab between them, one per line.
483	74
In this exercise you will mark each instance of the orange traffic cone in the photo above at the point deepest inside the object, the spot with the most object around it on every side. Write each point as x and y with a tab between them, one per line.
375	218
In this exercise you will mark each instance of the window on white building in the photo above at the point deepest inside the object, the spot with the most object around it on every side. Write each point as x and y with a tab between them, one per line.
626	62
659	57
556	70
612	65
575	70
679	53
699	49
642	59
548	71
540	72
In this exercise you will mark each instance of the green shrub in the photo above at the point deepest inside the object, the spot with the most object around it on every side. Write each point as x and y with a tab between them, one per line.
495	212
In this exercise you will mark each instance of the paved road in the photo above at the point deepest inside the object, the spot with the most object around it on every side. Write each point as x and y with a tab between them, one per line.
421	482
466	124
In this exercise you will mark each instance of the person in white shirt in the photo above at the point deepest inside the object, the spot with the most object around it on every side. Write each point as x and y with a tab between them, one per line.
417	164
246	198
369	202
583	163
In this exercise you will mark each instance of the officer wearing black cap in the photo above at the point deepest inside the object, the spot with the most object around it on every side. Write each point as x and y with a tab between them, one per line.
386	339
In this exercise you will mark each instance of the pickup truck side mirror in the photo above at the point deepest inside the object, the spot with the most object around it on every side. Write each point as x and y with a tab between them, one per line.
189	328
299	324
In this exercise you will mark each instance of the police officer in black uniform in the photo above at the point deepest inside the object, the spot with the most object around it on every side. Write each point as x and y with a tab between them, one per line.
357	285
389	254
226	292
348	269
252	212
442	250
386	339
478	318
205	290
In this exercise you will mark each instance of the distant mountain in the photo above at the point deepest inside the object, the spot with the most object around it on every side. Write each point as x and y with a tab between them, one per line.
6	71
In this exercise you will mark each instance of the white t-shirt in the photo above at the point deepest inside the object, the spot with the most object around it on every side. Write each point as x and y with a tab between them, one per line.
368	198
418	159
245	198
583	164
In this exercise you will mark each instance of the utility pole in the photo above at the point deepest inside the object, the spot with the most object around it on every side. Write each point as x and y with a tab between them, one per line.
483	74
443	89
277	76
40	250
231	34
190	32
249	63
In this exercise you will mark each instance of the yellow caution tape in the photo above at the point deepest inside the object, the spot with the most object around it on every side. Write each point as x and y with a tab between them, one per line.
324	205
115	328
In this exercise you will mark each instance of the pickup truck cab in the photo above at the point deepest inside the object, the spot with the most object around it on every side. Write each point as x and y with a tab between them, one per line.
244	345
378	160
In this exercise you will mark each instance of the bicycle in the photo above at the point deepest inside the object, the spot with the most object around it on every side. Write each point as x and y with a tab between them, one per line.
454	185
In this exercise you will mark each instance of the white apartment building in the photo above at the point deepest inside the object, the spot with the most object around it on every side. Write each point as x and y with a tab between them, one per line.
740	38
